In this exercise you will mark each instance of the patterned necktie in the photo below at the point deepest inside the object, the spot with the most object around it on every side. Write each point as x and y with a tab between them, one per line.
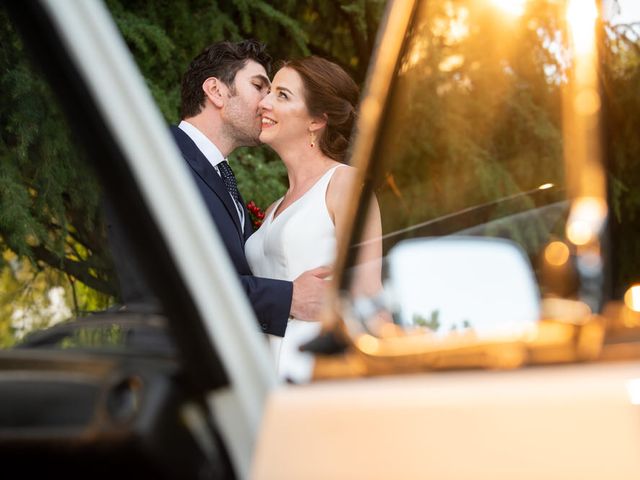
229	180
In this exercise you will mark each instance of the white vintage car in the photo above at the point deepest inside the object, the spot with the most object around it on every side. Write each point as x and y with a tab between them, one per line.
503	343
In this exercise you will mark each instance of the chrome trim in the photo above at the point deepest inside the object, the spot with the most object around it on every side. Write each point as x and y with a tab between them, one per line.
389	43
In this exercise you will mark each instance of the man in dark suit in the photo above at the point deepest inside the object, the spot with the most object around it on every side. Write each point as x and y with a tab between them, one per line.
220	94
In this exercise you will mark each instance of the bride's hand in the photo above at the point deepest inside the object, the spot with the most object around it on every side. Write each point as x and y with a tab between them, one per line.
309	291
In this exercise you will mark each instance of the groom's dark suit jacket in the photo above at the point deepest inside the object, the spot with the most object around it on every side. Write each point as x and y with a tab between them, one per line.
271	299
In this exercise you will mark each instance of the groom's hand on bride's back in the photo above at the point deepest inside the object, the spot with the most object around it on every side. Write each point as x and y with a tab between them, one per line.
309	291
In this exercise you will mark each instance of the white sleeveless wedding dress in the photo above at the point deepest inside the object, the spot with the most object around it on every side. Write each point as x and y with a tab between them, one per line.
300	238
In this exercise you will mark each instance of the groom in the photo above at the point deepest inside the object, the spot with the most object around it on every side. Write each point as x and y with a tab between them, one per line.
220	94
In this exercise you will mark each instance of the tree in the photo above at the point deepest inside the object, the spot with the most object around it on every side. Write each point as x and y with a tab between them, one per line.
488	109
620	53
48	198
51	229
475	118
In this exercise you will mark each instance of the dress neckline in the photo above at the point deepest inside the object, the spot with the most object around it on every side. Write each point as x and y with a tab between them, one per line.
274	217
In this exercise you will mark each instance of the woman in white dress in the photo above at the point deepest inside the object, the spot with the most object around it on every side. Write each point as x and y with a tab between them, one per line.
307	118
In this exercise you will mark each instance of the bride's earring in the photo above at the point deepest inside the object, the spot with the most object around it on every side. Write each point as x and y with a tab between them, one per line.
312	143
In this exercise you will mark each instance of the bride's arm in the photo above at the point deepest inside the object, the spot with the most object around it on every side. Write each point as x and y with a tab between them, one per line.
368	277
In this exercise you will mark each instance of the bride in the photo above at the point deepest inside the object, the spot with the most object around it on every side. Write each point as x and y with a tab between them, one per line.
307	118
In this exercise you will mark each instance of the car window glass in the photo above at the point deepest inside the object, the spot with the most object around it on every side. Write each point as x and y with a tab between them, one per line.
475	142
59	237
621	75
473	134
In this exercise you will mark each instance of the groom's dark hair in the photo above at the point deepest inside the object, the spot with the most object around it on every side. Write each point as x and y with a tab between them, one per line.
221	60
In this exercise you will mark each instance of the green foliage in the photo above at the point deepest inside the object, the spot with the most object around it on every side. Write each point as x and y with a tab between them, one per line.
621	77
473	120
33	298
476	123
164	36
433	323
476	120
341	30
96	337
260	177
50	221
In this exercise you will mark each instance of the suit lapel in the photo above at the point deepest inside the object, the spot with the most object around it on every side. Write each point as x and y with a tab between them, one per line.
199	163
248	225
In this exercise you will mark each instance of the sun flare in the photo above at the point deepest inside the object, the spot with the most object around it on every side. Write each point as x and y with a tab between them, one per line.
581	16
514	8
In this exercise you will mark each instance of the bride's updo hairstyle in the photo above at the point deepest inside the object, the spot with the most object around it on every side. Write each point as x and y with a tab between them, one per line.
329	91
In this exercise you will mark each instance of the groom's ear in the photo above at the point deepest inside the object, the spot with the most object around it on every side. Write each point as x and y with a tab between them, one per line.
214	91
318	123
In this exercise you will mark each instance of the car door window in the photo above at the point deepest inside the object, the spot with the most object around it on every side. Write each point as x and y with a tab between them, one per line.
473	137
492	129
56	262
70	276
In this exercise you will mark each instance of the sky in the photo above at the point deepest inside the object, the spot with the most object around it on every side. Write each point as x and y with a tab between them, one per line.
629	11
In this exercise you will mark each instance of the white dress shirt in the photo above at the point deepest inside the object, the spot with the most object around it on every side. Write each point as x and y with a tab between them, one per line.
212	154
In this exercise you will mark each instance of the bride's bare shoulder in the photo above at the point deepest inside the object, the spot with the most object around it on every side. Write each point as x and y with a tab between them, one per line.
342	183
343	180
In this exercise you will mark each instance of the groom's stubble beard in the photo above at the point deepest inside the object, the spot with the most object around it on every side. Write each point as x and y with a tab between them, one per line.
244	123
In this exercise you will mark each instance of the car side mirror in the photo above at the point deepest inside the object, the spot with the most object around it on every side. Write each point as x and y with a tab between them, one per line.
484	285
457	302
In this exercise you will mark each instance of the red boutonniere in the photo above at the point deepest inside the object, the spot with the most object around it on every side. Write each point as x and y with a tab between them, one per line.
257	215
